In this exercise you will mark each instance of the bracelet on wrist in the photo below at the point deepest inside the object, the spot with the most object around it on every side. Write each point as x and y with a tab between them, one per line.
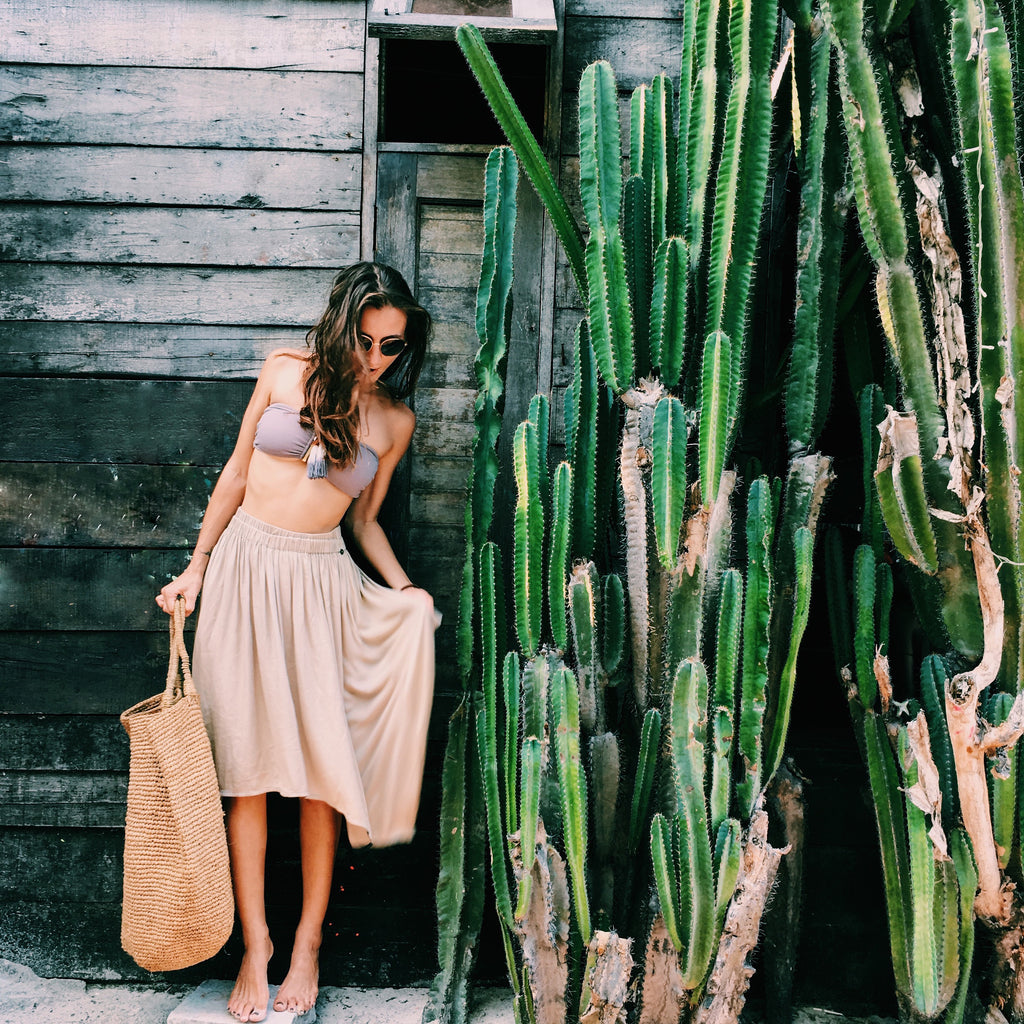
408	585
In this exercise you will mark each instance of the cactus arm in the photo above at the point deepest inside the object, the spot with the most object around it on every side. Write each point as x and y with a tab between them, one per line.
486	747
539	414
933	688
699	131
804	542
727	183
687	741
529	537
530	759
819	243
901	492
1002	787
613	635
714	428
983	82
756	621
634	517
500	176
967	879
871	408
668	310
921	908
668	477
644	781
510	688
727	640
573	789
760	20
460	882
874	152
583	442
636	229
892	836
658	157
666	876
584	599
519	135
727	869
864	632
558	553
611	324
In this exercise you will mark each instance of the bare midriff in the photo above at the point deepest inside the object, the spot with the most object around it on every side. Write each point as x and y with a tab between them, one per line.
278	491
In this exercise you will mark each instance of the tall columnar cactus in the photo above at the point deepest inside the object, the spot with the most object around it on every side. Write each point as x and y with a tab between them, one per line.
626	740
945	471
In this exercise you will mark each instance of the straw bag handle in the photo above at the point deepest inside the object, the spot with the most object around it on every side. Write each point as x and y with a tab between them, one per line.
179	653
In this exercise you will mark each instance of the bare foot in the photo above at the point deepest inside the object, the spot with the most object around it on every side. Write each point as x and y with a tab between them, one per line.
299	989
250	995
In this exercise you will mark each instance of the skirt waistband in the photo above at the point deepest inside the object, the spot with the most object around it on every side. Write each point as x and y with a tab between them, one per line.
256	531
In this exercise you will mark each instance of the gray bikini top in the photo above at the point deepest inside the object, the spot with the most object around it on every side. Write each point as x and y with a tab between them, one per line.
280	432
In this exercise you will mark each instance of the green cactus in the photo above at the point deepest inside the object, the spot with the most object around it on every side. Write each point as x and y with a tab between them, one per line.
656	591
668	477
934	207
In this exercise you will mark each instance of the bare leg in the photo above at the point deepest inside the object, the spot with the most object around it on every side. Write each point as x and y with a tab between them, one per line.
319	829
247	843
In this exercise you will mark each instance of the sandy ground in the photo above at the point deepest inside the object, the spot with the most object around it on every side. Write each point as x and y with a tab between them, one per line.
28	999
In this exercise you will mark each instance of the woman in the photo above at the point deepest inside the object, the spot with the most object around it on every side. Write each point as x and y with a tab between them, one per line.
315	681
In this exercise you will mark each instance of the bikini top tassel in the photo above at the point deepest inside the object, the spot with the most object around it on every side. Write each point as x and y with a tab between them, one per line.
316	461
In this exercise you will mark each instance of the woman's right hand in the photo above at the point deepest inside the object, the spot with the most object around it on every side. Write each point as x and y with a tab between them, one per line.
188	584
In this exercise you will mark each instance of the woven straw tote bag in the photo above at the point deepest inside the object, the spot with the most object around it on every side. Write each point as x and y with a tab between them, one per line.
178	909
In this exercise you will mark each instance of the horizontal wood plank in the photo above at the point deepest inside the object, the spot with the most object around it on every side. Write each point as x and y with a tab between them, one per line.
310	35
440	473
57	799
445	229
46	504
637	8
165	176
637	48
455	271
181	107
84	674
84	588
451	404
142	350
121	421
454	177
190	236
264	297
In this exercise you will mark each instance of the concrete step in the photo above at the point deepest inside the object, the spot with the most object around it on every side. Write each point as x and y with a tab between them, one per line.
208	1005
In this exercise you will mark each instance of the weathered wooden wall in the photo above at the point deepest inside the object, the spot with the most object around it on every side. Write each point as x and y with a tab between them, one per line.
179	184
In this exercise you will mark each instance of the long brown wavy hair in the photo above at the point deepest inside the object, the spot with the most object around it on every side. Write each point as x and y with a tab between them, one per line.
331	380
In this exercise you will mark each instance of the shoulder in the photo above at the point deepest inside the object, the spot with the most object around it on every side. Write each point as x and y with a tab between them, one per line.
283	361
400	418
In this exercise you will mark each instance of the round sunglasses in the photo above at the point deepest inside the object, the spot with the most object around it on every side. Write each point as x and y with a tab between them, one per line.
388	347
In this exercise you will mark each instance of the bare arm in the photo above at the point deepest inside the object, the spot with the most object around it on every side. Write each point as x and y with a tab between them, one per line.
224	501
361	517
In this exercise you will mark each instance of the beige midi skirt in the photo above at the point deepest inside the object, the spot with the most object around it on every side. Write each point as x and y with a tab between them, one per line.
314	680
